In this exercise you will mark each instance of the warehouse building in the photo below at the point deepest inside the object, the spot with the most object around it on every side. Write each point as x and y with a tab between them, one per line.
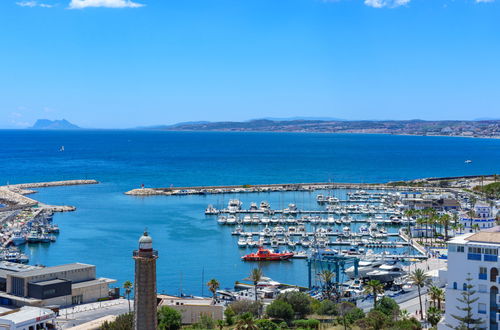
63	285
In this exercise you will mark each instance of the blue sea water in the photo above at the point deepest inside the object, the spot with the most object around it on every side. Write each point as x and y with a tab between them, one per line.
105	228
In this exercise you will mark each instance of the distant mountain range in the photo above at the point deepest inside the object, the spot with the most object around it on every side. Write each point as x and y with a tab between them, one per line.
53	124
472	128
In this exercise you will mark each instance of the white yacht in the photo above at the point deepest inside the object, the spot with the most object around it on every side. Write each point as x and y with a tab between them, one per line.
386	273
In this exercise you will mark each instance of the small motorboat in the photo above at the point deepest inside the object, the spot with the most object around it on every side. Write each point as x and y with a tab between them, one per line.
267	255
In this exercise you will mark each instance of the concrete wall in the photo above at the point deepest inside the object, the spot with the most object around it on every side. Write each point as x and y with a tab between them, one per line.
92	293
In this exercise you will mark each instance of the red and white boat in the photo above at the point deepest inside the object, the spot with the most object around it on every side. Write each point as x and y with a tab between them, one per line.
267	255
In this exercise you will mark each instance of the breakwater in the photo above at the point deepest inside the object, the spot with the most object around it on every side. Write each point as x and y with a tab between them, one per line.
202	190
13	196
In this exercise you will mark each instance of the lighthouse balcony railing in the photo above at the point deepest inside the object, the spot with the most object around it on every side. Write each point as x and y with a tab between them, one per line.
137	253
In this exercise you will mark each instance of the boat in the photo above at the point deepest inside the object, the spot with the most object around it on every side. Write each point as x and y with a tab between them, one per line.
253	206
386	273
468	161
221	220
234	205
242	242
364	267
300	255
210	210
267	255
264	205
18	238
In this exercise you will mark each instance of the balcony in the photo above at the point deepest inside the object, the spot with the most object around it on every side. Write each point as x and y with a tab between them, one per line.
474	256
490	257
483	276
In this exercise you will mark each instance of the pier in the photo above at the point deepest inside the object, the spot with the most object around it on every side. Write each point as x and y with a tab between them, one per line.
259	188
13	196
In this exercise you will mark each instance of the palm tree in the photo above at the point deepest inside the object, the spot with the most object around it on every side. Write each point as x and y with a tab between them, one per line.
374	287
476	227
128	289
256	276
246	322
437	295
409	215
420	279
445	220
326	276
471	214
213	286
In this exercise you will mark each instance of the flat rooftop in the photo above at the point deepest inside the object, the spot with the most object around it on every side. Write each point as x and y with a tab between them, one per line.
54	269
173	300
97	281
27	313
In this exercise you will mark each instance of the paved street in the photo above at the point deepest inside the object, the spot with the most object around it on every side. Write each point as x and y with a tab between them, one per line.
73	316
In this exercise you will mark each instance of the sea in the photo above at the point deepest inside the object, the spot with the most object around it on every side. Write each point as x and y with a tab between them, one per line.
193	248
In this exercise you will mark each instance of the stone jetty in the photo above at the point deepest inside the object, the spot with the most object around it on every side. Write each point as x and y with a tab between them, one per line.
13	196
205	190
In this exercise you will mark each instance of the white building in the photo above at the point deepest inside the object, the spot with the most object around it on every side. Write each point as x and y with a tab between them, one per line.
484	218
28	317
474	255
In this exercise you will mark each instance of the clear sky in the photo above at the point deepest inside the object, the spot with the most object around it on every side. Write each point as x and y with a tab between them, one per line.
120	64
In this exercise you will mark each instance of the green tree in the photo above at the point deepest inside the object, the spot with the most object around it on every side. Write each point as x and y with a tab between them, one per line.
445	221
300	302
246	321
420	279
256	276
266	325
389	307
169	319
128	289
343	309
245	306
374	320
374	287
434	315
467	321
280	310
327	307
229	313
213	286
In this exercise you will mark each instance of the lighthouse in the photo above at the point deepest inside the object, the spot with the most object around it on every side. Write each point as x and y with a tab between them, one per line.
145	317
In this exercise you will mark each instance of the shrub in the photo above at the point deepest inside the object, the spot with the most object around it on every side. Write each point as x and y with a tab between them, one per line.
375	320
281	310
354	314
168	318
300	302
409	324
283	325
306	324
245	306
229	314
327	307
205	322
388	306
122	322
266	325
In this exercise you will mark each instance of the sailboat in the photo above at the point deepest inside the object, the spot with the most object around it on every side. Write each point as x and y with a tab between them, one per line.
61	148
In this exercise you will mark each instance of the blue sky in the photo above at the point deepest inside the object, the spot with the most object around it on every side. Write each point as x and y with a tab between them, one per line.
119	64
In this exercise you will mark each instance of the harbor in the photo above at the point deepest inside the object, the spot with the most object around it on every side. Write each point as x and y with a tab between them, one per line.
26	221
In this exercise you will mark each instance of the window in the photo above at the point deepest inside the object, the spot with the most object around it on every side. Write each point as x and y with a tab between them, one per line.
454	285
491	251
464	287
460	248
481	309
475	250
483	273
482	288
